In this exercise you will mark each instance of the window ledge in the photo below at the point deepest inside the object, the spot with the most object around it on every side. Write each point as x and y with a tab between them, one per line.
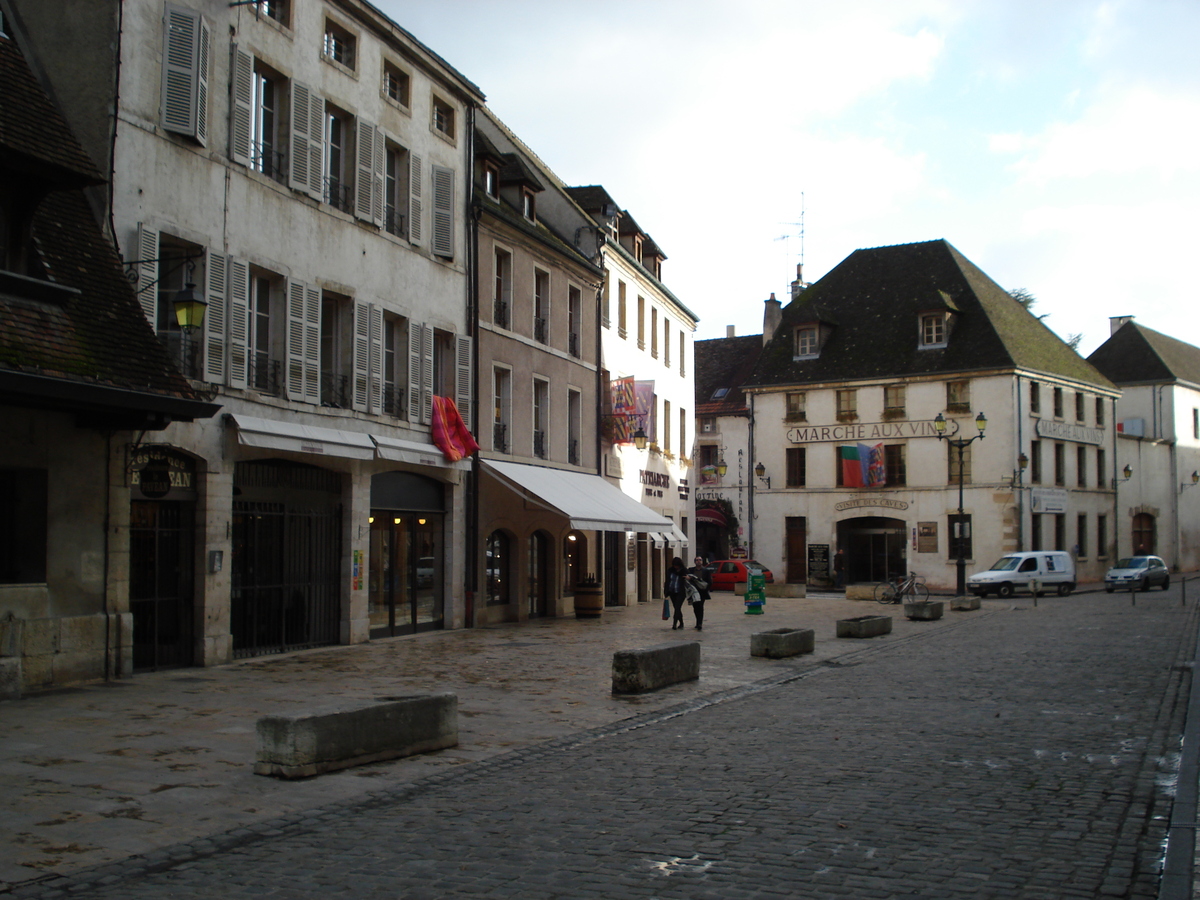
341	67
847	417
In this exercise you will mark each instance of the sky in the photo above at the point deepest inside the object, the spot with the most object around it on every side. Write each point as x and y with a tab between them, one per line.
1053	142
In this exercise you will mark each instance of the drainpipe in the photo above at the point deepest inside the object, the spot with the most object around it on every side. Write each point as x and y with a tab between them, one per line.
1018	487
1116	499
750	462
471	504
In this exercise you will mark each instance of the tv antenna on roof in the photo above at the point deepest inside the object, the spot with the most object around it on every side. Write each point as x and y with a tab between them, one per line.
787	237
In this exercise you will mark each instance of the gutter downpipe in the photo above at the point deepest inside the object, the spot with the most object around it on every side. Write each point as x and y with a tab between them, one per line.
471	549
1018	487
750	462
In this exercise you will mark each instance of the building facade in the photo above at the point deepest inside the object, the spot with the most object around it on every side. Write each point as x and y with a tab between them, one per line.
305	167
1158	437
844	407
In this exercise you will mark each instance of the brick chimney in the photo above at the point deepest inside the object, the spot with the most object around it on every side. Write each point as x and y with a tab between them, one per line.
772	316
1115	323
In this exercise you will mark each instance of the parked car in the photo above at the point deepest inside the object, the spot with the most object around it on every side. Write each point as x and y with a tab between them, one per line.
1050	569
728	572
1144	571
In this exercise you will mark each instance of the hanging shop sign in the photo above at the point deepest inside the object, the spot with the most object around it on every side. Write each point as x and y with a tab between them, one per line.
158	473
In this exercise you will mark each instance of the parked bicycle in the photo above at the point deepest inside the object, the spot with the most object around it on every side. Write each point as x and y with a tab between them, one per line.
902	590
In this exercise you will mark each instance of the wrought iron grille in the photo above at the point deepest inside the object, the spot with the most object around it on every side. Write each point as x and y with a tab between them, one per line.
500	437
539	329
264	374
500	315
539	444
334	390
339	195
394	401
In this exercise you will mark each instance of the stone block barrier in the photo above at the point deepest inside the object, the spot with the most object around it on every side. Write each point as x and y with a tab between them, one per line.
860	592
785	590
864	626
306	745
648	669
924	610
780	643
965	604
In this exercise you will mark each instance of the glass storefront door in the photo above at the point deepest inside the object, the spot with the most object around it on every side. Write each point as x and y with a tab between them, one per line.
405	585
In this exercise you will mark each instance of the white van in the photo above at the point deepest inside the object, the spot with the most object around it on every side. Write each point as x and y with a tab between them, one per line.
1053	570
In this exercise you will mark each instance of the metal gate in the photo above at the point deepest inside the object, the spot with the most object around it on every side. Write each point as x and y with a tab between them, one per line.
161	552
286	585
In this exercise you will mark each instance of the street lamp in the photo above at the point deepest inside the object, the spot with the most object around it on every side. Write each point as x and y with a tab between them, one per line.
960	444
722	468
1018	475
761	471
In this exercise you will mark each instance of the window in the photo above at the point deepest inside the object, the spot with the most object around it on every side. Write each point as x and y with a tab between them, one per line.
541	306
1081	536
396	84
502	292
954	461
847	405
1079	414
1035	463
1060	465
23	504
1058	403
501	408
666	445
491	180
897	470
339	45
960	536
806	342
395	189
443	212
893	401
682	354
541	418
256	107
1060	532
666	342
574	320
1081	466
794	404
683	420
178	263
1101	475
1035	397
443	118
1035	532
605	321
933	330
336	350
958	396
574	423
395	372
796	473
529	204
1195	423
265	332
621	330
338	159
1100	415
641	329
187	48
272	9
708	425
1101	536
499	564
654	333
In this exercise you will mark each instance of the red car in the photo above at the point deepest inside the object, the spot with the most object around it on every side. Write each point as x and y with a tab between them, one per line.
728	572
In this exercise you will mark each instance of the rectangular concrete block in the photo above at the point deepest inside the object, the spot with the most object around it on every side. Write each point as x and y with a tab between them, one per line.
864	626
82	633
924	610
306	745
782	642
786	590
638	671
860	592
964	603
10	678
41	636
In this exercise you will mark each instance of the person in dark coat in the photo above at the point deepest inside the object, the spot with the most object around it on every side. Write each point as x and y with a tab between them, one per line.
839	570
675	590
699	578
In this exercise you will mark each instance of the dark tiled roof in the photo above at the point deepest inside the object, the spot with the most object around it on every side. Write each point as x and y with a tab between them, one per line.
34	136
724	363
873	299
541	230
1136	354
515	171
591	197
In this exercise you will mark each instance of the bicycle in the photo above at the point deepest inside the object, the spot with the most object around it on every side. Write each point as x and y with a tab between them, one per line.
910	589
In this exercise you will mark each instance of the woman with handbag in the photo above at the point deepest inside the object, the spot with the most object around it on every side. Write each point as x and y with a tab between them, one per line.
675	590
699	577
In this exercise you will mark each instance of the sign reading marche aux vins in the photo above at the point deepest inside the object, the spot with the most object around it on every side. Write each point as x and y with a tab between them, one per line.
867	431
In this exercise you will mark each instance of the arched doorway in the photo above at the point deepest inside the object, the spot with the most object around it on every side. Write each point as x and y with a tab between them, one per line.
538	577
1145	538
875	548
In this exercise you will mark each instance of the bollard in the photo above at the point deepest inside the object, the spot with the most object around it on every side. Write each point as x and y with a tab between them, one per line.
1033	587
1183	592
1133	593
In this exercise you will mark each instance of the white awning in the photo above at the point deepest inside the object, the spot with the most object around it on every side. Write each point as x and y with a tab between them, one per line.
415	453
590	502
272	434
676	536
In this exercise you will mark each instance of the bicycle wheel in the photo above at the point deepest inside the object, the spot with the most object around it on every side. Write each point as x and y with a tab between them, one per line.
885	592
920	593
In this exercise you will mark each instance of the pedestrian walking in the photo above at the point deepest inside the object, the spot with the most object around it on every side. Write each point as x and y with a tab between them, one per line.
675	590
700	578
839	570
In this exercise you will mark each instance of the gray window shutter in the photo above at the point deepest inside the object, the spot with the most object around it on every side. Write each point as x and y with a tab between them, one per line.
312	344
147	270
415	333
202	67
375	360
316	145
377	179
239	322
462	376
185	72
443	212
241	91
215	291
298	169
414	198
426	374
294	352
360	396
365	137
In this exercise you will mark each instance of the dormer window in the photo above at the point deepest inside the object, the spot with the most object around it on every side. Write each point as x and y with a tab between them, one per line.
491	180
807	342
528	204
933	330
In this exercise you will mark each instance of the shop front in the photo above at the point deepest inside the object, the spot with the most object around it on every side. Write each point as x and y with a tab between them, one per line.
406	568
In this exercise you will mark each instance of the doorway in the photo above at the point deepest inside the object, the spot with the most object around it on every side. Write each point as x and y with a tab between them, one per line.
161	575
875	548
405	583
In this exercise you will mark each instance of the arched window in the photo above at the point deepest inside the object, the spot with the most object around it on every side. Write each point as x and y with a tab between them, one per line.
499	566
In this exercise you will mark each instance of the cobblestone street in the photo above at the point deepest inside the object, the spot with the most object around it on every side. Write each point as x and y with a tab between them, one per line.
1021	753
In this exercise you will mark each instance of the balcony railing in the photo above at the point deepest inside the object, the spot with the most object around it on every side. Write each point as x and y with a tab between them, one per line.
394	222
263	375
573	343
333	390
395	401
339	195
500	437
539	444
573	453
500	313
185	351
539	329
271	162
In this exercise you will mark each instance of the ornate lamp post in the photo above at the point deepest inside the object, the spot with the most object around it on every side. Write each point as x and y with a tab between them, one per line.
960	444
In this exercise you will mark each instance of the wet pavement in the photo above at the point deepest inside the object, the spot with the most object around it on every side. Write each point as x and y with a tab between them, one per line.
1012	751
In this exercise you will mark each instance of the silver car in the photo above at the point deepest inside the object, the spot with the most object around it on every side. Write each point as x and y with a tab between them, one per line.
1141	571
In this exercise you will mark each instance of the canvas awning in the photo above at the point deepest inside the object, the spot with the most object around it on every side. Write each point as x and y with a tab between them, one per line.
415	453
272	434
712	515
590	502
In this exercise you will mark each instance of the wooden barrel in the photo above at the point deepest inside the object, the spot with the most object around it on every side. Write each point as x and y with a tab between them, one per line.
589	601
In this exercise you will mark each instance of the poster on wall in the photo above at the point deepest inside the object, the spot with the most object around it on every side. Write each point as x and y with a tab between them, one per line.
818	564
927	537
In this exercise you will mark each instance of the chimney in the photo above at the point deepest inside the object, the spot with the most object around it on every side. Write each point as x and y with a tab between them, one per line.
1115	323
729	331
772	316
799	284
